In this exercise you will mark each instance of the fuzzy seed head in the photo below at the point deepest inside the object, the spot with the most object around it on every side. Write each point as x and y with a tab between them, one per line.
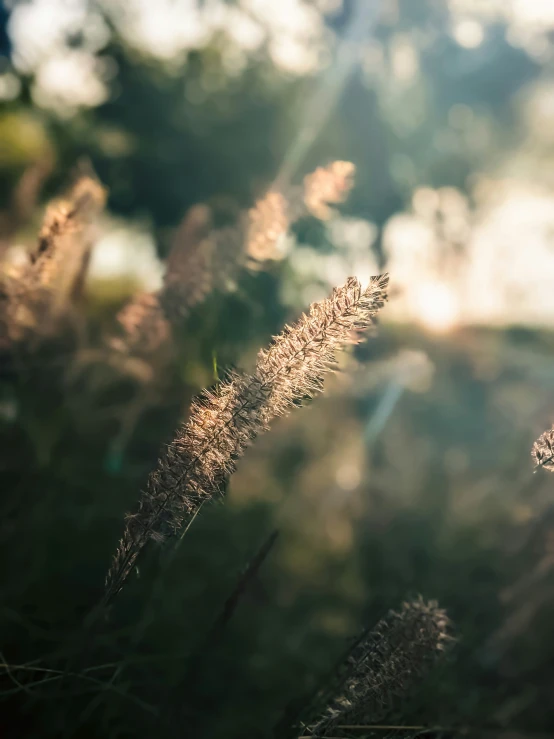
543	450
223	422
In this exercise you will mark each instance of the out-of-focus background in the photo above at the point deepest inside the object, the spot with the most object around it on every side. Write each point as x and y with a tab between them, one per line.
412	473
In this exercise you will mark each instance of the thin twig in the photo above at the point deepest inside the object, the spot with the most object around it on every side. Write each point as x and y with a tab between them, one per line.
59	674
217	629
249	574
215	632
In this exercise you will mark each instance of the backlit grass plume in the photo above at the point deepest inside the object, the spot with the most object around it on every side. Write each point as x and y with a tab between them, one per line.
192	265
543	450
64	243
40	291
272	215
224	421
203	258
385	665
